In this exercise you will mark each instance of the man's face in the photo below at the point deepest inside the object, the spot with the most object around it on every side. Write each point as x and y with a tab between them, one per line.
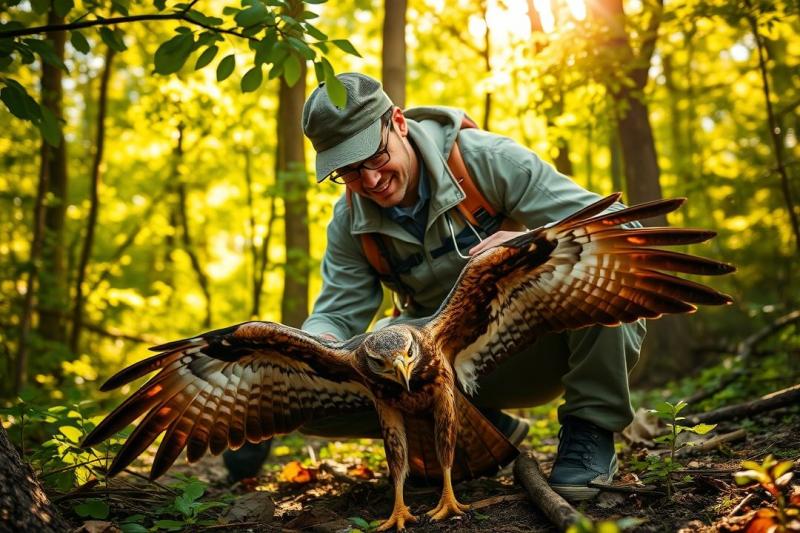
395	183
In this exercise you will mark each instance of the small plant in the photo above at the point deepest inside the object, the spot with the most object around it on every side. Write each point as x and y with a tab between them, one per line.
774	477
664	468
186	506
362	526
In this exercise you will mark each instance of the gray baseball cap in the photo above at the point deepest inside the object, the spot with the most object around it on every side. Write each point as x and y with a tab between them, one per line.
343	136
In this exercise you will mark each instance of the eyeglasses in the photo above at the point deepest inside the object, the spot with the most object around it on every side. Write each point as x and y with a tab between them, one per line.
345	175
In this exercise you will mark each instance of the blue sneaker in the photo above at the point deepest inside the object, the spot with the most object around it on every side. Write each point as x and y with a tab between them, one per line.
585	455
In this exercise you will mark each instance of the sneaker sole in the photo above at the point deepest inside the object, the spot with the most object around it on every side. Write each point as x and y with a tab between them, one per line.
577	493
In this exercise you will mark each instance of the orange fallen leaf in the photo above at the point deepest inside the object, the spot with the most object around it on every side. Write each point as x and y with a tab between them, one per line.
360	472
294	472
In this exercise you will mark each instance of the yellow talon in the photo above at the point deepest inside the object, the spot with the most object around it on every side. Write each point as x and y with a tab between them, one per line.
398	518
448	505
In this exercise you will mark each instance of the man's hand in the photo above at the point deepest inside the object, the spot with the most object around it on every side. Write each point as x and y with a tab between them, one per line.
494	240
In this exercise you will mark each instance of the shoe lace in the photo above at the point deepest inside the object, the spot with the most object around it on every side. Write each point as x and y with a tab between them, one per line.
576	447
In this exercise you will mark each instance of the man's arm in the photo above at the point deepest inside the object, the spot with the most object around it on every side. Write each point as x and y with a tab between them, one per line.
351	293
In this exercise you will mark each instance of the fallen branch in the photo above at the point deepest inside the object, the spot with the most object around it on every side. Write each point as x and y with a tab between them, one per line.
745	349
769	402
556	509
714	442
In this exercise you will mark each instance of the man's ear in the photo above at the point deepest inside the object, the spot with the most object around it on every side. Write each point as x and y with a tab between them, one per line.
399	119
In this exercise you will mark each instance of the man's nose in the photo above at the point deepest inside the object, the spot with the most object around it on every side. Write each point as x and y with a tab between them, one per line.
370	178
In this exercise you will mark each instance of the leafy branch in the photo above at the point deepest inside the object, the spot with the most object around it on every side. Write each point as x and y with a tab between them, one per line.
278	33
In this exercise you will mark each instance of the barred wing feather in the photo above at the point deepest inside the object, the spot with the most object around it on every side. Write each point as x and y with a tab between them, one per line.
243	383
583	270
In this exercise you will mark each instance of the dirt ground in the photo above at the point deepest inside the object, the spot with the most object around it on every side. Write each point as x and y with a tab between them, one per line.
707	502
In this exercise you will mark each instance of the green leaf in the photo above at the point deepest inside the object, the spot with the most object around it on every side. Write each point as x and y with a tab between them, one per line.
252	79
160	4
132	528
19	102
345	45
113	39
62	7
79	42
291	70
319	71
51	132
206	57
702	429
194	490
290	21
336	91
302	48
46	51
359	522
315	1
315	33
170	524
225	67
252	15
202	18
171	55
93	509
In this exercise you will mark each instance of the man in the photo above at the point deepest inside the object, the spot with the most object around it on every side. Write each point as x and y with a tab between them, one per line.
394	164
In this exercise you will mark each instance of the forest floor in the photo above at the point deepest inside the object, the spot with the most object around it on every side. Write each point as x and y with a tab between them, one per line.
342	494
703	503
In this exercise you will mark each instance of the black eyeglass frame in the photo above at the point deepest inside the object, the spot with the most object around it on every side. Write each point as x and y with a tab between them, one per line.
373	162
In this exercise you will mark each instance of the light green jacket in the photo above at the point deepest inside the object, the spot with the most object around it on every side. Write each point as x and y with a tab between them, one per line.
512	178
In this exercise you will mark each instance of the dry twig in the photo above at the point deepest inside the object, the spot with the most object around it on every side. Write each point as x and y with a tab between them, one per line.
556	508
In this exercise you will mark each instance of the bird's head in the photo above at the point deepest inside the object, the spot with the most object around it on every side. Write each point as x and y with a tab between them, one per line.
392	353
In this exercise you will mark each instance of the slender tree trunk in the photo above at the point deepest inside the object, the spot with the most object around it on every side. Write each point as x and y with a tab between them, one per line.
24	506
292	176
189	248
23	344
259	255
640	161
52	294
487	64
775	130
393	68
91	223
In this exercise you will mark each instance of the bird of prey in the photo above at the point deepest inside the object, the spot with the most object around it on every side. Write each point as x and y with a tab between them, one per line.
257	379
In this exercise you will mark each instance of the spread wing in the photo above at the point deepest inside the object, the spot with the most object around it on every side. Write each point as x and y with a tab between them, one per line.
581	271
246	382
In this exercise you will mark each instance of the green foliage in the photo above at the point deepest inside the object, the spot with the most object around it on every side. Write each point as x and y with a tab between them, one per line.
362	525
662	469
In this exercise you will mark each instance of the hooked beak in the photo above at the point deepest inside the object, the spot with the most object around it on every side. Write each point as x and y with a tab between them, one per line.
403	366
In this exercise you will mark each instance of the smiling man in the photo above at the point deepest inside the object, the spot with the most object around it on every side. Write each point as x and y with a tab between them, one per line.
401	192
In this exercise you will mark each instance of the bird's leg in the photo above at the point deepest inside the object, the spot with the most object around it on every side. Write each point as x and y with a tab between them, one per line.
394	442
444	415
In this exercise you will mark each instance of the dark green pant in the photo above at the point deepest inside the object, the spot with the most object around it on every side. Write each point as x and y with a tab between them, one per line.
589	366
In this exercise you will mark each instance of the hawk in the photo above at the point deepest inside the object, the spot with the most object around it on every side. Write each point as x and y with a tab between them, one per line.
257	379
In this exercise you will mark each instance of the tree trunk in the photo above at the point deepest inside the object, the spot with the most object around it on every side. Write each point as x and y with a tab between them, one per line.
292	176
91	222
393	69
24	506
52	293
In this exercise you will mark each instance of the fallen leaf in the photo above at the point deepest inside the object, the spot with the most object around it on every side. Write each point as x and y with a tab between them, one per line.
643	429
252	507
294	472
97	526
360	472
